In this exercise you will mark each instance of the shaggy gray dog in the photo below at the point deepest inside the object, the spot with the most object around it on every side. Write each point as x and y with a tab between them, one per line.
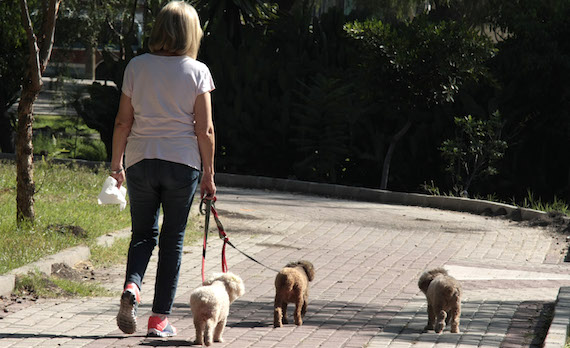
443	293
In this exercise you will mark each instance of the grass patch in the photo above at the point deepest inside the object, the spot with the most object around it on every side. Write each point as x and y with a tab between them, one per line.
67	213
67	137
40	285
63	124
532	202
104	256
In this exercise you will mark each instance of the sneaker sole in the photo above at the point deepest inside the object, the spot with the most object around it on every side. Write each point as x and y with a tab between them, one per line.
156	333
126	319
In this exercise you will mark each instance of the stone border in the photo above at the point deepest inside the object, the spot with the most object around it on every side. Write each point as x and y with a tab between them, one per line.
475	206
558	331
69	256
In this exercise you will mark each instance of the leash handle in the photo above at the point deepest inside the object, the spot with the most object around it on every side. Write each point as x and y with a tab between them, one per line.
206	227
206	211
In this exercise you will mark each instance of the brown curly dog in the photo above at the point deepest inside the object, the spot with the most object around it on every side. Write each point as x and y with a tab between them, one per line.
443	293
292	286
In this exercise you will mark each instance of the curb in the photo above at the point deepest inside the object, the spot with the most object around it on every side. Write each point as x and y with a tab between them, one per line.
558	331
7	283
469	205
69	256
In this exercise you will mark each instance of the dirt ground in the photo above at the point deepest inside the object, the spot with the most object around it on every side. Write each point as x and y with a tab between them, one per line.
82	272
558	227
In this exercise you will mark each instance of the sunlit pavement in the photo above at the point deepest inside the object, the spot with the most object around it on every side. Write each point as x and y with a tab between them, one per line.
368	258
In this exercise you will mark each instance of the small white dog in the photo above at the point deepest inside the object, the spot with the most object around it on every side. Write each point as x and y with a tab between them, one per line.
210	305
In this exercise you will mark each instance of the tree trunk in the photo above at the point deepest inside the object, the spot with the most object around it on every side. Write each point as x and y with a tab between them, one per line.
390	153
40	51
25	156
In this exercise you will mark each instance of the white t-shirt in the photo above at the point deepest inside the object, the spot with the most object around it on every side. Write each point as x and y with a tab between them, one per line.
163	90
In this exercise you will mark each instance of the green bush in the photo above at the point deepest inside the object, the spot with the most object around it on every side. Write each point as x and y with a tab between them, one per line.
474	151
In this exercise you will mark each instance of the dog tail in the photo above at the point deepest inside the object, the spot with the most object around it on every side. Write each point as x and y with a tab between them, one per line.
427	277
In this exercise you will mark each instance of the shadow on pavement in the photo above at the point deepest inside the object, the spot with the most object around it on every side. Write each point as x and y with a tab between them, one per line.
167	343
47	335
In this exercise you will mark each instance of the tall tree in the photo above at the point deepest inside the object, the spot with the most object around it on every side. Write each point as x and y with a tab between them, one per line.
409	68
39	47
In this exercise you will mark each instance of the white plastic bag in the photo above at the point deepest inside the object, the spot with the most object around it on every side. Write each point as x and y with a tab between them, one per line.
111	194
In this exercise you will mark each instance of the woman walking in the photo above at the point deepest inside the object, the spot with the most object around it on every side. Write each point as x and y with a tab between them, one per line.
164	130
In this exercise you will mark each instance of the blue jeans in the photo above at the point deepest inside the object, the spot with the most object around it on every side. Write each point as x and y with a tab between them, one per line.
152	183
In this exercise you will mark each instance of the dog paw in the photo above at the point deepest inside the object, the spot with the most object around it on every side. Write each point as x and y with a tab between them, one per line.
221	340
438	329
455	330
427	328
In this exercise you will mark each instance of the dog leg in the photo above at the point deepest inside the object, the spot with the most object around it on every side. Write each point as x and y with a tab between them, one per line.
209	331
440	321
284	313
219	330
304	308
277	315
298	308
199	325
431	318
455	314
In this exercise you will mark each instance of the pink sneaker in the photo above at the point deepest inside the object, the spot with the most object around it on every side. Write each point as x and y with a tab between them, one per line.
160	327
127	317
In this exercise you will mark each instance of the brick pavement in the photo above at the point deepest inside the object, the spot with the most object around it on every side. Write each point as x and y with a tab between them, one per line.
368	258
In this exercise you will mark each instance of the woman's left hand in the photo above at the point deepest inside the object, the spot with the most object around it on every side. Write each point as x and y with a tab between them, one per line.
207	187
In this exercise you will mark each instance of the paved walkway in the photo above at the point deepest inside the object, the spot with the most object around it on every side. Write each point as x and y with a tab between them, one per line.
368	258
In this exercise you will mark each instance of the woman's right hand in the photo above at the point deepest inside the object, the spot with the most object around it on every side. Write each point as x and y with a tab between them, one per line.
120	177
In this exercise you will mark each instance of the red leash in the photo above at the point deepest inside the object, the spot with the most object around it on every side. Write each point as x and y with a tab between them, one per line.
223	235
206	224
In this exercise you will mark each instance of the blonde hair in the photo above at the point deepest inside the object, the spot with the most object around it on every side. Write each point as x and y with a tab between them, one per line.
176	30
